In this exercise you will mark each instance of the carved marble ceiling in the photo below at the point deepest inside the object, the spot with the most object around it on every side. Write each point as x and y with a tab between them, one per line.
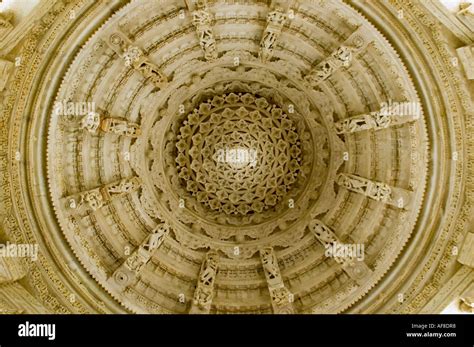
206	156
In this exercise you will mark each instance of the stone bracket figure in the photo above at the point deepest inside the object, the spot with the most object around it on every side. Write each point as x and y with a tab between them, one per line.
134	57
130	269
341	57
377	120
372	189
98	197
354	267
375	190
276	19
202	20
282	299
204	293
94	122
6	22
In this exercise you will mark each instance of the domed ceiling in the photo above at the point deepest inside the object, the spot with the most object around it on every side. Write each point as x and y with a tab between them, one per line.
213	156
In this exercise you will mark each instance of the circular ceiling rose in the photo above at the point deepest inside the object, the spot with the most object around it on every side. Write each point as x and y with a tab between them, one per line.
237	157
238	154
210	194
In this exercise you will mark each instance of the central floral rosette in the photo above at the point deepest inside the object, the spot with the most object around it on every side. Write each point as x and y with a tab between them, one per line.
237	153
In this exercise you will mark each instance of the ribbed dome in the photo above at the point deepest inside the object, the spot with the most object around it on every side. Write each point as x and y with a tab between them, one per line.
214	156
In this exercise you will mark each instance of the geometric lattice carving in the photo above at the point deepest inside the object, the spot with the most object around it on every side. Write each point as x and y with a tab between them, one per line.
282	298
342	56
205	286
134	57
378	191
355	268
275	21
202	21
94	121
235	141
96	198
133	265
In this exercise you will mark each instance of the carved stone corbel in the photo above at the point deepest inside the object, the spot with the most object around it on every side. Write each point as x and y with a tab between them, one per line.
276	19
